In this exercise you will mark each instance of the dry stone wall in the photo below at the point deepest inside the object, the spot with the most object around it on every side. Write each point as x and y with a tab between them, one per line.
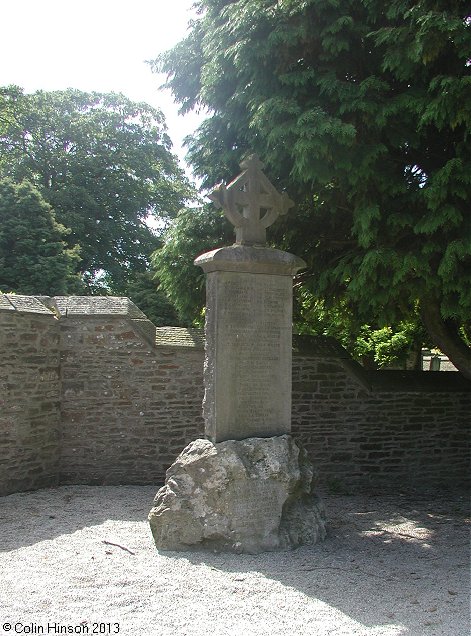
91	392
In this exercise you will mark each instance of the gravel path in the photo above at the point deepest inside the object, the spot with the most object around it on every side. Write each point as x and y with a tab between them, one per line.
74	556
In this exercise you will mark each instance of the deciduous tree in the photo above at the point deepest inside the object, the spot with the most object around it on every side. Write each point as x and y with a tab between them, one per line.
105	165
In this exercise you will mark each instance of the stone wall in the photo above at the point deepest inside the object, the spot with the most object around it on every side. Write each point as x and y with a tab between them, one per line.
130	404
91	392
375	428
29	395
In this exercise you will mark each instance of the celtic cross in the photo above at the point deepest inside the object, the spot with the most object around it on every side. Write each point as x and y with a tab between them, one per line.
251	203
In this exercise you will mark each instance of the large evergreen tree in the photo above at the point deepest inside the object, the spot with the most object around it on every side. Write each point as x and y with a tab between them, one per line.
34	258
362	110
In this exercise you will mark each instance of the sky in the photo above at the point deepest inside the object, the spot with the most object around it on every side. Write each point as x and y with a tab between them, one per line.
95	45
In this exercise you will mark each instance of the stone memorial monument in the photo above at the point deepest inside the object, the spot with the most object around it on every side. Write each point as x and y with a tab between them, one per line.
247	487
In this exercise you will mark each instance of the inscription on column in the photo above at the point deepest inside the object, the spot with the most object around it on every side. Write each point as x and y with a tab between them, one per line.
252	373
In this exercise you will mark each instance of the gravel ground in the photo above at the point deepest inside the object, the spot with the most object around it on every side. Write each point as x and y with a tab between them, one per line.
80	559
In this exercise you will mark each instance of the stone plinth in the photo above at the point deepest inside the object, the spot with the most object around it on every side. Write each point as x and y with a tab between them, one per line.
240	496
248	359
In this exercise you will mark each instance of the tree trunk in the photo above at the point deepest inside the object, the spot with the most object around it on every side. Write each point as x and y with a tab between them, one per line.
444	335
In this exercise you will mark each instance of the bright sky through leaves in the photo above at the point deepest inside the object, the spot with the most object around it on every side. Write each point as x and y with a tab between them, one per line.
94	45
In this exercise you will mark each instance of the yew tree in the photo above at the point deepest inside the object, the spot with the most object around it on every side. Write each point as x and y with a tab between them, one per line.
361	109
34	257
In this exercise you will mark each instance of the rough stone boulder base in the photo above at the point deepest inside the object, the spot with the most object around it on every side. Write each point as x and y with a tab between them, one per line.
250	496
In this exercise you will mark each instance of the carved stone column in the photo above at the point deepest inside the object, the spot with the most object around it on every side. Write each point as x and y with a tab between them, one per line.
248	316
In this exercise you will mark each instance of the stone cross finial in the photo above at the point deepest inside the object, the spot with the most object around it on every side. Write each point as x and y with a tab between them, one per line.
251	203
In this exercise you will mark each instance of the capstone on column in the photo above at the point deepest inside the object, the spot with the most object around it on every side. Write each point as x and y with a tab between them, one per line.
248	357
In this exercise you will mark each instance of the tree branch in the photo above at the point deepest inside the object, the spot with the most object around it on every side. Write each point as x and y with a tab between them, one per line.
444	335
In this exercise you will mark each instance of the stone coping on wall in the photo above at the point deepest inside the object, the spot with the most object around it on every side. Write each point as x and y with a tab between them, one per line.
82	307
23	304
96	305
65	306
179	337
68	306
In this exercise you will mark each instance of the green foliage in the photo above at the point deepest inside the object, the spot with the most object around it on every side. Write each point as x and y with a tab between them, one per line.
193	232
144	291
34	258
375	347
363	113
390	346
104	164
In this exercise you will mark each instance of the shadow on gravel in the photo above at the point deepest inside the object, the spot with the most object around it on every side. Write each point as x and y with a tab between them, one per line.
388	560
